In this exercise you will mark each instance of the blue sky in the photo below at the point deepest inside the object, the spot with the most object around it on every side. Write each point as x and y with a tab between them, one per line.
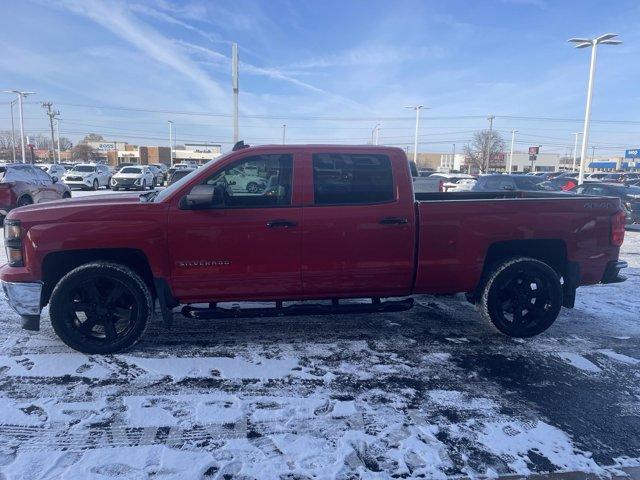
330	70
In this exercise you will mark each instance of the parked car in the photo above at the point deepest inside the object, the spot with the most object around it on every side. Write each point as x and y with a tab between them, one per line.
55	171
163	168
120	166
88	176
462	185
628	194
177	174
520	256
158	176
605	177
501	182
564	183
133	178
630	177
23	184
240	181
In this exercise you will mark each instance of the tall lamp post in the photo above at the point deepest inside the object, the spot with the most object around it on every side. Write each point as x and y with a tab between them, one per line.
13	132
21	95
575	152
513	141
170	122
607	39
417	108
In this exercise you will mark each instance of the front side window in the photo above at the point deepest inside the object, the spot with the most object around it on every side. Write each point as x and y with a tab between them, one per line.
349	179
257	181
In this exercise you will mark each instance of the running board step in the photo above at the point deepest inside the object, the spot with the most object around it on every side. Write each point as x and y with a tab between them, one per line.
299	309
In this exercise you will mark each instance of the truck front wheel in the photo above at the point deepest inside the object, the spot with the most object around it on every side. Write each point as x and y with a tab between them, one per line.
522	297
100	307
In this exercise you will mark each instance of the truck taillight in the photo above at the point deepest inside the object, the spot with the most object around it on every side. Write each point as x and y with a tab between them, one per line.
618	221
441	186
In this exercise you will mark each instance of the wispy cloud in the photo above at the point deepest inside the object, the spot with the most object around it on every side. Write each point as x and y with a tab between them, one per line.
370	55
118	19
273	73
165	17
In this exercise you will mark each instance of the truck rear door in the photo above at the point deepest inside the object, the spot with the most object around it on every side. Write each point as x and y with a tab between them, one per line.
359	224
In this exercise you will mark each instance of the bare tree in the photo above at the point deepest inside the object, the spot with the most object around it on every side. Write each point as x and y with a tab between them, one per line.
6	141
65	143
82	152
485	153
93	137
41	141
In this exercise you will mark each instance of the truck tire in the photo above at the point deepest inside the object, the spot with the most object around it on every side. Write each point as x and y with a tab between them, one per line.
521	296
100	307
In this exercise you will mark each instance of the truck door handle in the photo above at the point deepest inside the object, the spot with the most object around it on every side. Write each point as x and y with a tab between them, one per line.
393	221
279	223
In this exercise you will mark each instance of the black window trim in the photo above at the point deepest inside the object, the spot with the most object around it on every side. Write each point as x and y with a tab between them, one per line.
395	198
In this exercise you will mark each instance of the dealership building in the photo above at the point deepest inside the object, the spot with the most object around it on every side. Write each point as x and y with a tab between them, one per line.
114	153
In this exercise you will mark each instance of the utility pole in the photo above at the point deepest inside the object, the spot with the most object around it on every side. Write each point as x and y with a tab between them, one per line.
417	108
21	95
593	153
58	137
453	158
513	141
284	133
234	86
13	134
52	115
489	141
170	122
575	152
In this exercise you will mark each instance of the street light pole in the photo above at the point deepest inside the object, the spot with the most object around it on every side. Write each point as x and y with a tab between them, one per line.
58	137
170	122
13	134
575	152
489	141
284	133
235	89
417	108
21	95
593	43
513	141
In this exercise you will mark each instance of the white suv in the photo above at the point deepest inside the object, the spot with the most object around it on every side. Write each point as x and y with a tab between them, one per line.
138	178
88	176
55	171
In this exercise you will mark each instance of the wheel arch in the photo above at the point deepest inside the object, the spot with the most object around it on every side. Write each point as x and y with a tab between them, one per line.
57	264
551	251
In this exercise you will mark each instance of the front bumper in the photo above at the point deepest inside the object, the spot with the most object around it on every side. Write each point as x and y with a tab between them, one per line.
78	183
612	272
24	298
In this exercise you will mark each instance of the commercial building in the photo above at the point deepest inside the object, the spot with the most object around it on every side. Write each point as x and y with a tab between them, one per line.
200	152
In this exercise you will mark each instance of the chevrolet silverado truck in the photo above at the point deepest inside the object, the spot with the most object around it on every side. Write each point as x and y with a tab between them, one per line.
335	222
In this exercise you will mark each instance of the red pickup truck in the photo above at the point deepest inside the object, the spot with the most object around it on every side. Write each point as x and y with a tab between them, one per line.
328	223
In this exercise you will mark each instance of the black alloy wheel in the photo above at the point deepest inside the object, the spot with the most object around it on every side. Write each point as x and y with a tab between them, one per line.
100	308
522	297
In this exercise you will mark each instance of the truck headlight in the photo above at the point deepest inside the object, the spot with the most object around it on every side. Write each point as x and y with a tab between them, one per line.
13	242
113	181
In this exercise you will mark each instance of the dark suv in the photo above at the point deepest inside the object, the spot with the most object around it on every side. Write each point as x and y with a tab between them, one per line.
497	183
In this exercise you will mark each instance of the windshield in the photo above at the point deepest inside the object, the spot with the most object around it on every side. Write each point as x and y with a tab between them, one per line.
622	190
131	170
84	168
527	183
162	195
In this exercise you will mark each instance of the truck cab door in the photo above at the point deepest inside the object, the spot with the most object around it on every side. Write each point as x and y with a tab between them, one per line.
248	249
359	225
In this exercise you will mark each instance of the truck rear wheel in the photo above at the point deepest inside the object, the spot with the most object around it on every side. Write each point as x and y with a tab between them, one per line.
100	308
522	297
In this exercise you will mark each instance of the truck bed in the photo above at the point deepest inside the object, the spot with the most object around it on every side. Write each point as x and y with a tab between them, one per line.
458	230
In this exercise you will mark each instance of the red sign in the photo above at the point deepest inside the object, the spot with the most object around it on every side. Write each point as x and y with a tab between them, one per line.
534	150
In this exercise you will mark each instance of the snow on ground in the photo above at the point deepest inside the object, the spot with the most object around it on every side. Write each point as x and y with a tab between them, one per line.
421	394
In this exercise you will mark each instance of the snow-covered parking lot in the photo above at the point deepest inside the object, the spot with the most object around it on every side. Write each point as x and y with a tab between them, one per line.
431	392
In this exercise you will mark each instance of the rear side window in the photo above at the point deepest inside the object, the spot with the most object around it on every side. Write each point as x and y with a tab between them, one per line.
349	179
42	176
